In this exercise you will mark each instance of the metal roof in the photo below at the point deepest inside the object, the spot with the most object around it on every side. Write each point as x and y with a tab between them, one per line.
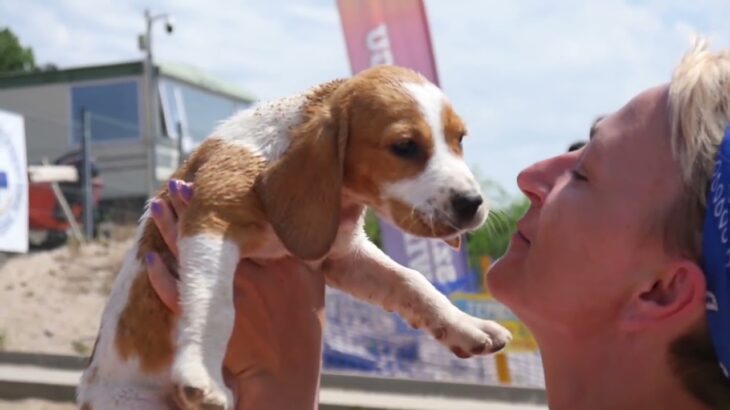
201	79
178	72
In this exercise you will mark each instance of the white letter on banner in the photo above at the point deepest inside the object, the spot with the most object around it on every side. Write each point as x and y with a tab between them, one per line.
723	218
718	192
711	302
445	272
378	44
418	257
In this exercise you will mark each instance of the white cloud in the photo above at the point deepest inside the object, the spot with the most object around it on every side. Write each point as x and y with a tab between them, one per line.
527	76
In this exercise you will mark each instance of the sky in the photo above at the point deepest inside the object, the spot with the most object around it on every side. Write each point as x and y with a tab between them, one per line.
527	76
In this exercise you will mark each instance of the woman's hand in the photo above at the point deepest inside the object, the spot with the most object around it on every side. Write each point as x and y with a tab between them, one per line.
274	354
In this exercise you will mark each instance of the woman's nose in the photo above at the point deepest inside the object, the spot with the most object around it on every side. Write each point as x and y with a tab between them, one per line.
537	180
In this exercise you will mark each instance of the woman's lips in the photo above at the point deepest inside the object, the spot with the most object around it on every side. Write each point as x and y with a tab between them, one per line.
520	237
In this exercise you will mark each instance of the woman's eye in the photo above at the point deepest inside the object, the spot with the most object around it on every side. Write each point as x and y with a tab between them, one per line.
577	175
405	149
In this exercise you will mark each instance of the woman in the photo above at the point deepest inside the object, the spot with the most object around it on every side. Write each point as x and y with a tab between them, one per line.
607	268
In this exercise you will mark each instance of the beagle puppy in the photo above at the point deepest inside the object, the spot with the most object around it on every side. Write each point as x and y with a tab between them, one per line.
293	177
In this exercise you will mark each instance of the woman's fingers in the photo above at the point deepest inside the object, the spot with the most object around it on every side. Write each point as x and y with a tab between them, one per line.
166	221
180	194
162	281
165	214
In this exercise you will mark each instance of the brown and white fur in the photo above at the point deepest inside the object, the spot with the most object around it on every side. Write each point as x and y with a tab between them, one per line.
293	177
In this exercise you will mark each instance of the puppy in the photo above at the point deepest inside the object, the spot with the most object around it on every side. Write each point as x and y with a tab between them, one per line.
293	177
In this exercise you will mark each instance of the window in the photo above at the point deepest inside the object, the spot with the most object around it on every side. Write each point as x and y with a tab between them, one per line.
197	111
114	110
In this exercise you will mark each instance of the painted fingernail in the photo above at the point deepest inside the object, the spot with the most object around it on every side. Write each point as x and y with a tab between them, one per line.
156	208
172	185
186	191
150	258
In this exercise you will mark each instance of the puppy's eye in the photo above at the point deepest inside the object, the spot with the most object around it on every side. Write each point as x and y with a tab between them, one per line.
405	149
461	137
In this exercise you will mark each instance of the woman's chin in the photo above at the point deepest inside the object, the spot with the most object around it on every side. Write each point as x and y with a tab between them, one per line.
503	277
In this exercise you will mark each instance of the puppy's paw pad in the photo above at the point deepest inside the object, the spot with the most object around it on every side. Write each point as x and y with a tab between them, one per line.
196	389
197	398
190	394
466	336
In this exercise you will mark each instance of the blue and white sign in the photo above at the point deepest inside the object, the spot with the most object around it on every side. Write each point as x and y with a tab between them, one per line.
445	268
13	184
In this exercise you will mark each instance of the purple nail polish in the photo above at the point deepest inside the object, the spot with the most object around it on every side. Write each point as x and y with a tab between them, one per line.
172	185
186	191
150	257
156	208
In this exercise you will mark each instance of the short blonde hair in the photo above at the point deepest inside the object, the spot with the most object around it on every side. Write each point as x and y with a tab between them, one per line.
699	110
699	113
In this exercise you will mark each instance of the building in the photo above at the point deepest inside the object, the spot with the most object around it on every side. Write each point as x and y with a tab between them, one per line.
189	106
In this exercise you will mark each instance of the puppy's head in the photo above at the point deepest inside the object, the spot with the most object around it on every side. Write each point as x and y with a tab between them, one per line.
404	154
386	137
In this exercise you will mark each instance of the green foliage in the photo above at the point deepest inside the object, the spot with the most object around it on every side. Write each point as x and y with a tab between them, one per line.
13	57
372	228
494	237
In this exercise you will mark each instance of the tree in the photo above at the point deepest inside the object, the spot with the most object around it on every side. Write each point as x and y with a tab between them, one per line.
13	56
493	238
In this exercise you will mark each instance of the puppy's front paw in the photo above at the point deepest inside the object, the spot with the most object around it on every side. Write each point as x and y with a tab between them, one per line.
196	389
466	335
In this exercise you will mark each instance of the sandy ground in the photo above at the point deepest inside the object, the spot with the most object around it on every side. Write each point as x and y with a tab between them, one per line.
34	405
51	301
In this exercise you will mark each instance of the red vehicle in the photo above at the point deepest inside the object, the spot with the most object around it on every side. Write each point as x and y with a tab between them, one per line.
48	224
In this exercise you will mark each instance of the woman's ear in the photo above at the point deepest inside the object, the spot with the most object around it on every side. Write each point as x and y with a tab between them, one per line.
301	192
675	293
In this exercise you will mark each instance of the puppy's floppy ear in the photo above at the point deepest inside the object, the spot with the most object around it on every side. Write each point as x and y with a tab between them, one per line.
301	192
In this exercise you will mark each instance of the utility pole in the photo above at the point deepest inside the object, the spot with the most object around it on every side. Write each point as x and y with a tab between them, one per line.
152	127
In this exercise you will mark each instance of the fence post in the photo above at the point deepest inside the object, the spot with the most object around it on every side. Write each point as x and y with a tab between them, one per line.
86	174
503	372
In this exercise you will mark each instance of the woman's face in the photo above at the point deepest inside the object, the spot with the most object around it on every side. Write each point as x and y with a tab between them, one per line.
590	236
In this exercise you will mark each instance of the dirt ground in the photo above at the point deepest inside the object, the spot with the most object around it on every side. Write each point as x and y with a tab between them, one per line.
52	301
34	405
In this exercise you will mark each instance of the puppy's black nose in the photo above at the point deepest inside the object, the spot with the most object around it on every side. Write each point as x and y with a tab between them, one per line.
466	205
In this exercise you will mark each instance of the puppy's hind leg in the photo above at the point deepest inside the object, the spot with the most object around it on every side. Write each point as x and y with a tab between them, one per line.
207	265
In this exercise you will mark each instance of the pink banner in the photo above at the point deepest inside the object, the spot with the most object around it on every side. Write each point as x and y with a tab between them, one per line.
388	32
396	32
